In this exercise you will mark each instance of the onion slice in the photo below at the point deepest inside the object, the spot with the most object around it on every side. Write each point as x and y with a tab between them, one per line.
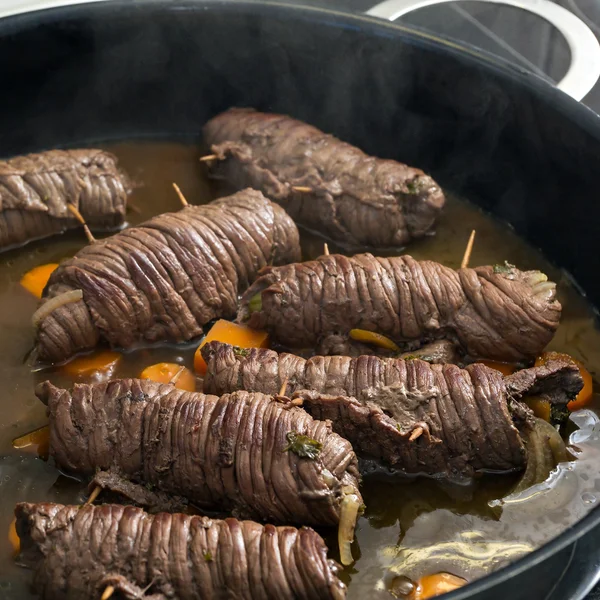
348	515
545	449
53	303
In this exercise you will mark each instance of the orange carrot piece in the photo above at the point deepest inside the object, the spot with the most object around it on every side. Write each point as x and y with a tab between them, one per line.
35	281
541	408
36	441
13	537
434	585
504	368
585	395
376	339
230	333
99	365
180	376
37	436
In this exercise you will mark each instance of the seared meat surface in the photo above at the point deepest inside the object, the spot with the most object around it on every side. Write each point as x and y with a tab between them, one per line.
496	312
418	417
36	189
165	279
78	552
231	453
350	197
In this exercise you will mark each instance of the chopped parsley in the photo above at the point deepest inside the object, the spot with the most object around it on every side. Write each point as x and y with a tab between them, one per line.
427	358
413	186
303	446
255	303
505	269
559	414
243	352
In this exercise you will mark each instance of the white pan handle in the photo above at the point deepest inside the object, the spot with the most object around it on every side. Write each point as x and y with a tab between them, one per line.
584	70
8	8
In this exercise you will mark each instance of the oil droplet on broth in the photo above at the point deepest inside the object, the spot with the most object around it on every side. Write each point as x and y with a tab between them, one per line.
589	498
402	587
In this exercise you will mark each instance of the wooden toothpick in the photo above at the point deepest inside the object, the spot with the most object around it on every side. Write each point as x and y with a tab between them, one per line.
325	249
79	217
467	255
283	387
108	592
302	188
177	375
208	158
416	433
95	493
133	208
182	199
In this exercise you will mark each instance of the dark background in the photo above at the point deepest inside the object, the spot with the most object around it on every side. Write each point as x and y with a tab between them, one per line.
514	34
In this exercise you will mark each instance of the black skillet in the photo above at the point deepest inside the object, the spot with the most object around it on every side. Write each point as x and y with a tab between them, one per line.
498	136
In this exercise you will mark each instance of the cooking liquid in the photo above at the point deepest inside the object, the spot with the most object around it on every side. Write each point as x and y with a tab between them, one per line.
412	526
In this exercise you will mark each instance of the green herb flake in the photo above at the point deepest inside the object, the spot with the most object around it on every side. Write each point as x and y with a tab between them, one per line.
243	352
427	358
255	303
303	446
398	427
505	269
413	186
559	414
208	556
410	357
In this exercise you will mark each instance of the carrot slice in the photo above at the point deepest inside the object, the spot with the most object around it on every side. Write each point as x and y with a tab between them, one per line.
37	436
180	376
99	365
504	368
13	537
35	281
541	408
585	395
434	585
376	339
36	442
230	333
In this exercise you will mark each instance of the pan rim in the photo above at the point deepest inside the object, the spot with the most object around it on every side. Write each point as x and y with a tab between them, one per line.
581	116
